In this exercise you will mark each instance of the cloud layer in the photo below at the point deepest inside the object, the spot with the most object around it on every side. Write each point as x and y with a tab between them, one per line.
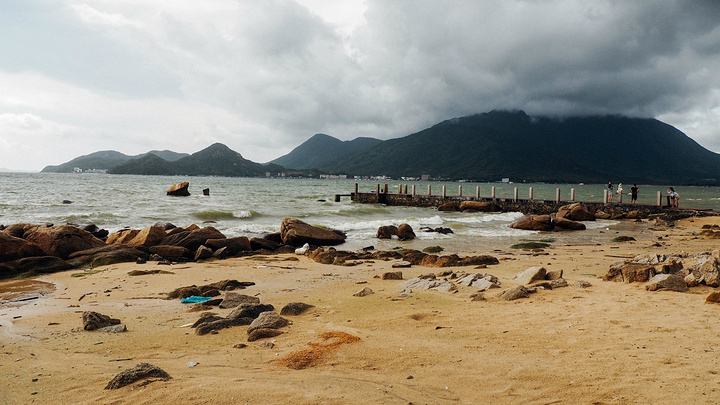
262	76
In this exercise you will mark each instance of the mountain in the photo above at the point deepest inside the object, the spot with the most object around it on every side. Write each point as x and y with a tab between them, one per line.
512	144
324	151
106	160
215	160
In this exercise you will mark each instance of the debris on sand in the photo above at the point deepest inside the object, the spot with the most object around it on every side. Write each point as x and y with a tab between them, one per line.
143	371
316	352
95	320
147	272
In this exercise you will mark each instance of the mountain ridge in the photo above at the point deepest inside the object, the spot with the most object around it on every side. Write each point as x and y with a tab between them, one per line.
321	151
106	160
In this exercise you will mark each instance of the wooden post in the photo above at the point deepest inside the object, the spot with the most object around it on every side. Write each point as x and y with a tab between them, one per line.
530	194
572	194
605	196
357	187
492	192
413	190
557	195
515	194
405	190
399	188
386	188
460	190
444	191
477	192
659	199
429	189
378	193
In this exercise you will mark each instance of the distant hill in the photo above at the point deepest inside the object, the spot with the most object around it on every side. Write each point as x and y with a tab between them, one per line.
512	144
215	160
106	160
324	151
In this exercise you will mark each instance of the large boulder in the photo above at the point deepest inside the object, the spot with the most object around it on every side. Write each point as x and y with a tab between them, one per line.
122	236
149	236
297	233
63	240
530	275
405	232
18	230
268	320
33	265
386	231
566	224
175	253
533	223
575	212
233	245
192	239
478	206
669	282
106	255
179	189
708	272
12	248
630	272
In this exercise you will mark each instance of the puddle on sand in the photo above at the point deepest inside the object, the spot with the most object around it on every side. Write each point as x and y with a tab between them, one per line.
17	291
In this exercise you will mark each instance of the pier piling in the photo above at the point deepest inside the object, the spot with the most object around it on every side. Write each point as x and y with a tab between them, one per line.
515	194
530	194
557	195
572	194
492	192
444	191
477	192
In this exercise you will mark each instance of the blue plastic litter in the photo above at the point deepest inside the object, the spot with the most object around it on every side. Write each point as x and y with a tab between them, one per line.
195	299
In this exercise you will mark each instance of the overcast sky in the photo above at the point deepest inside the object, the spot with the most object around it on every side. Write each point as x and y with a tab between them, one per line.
262	76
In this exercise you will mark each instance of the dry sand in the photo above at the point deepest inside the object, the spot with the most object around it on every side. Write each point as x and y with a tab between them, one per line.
612	343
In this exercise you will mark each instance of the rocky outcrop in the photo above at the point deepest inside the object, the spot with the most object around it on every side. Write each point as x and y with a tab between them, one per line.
566	224
179	189
12	248
477	206
63	240
575	212
143	371
668	282
33	265
174	253
233	245
148	237
106	255
297	233
530	275
122	236
233	300
224	285
193	239
533	223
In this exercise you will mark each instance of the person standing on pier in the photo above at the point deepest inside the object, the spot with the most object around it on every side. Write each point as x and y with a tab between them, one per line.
634	194
610	191
674	197
619	192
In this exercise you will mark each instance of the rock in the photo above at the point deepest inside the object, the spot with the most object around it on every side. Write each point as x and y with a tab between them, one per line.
175	253
602	215
478	296
96	232
478	206
263	333
122	237
566	224
224	285
221	253
670	282
623	239
192	240
95	320
140	260
439	229
250	310
533	223
206	191
364	292
433	249
583	284
233	300
392	275
18	230
215	325
405	232
691	281
203	252
713	298
33	265
401	265
558	283
142	371
302	250
179	189
63	240
147	237
264	244
515	293
708	272
387	232
553	275
12	248
629	272
268	320
575	212
233	246
67	202
530	275
484	284
427	283
297	233
295	308
113	329
449	206
147	272
106	255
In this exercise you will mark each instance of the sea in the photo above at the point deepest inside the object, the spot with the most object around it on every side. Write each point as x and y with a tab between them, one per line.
256	206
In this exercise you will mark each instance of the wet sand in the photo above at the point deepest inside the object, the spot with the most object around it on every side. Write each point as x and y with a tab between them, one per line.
612	343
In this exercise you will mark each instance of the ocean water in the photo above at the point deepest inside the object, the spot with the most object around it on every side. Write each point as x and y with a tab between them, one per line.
253	206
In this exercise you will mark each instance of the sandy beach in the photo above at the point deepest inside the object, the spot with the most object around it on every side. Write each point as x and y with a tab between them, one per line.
611	343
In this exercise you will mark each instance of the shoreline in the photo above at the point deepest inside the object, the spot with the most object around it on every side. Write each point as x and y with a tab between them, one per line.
566	345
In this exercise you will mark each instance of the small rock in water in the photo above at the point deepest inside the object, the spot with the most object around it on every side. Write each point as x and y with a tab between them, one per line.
295	308
67	202
364	292
368	248
143	371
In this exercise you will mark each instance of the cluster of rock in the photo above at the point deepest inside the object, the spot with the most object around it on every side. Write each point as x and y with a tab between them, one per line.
402	232
669	272
469	206
448	281
568	217
97	321
413	257
29	248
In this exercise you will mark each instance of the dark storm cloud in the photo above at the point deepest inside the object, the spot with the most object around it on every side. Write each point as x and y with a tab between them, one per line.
264	76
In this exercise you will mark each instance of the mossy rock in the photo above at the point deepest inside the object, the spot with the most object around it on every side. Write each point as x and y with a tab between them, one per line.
530	245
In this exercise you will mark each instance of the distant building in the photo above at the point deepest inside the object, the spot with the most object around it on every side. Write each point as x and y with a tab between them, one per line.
425	177
505	180
333	176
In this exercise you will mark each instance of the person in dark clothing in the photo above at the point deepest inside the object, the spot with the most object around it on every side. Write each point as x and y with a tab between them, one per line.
611	191
634	194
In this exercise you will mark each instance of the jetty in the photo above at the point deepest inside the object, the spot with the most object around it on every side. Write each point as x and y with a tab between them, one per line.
410	196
